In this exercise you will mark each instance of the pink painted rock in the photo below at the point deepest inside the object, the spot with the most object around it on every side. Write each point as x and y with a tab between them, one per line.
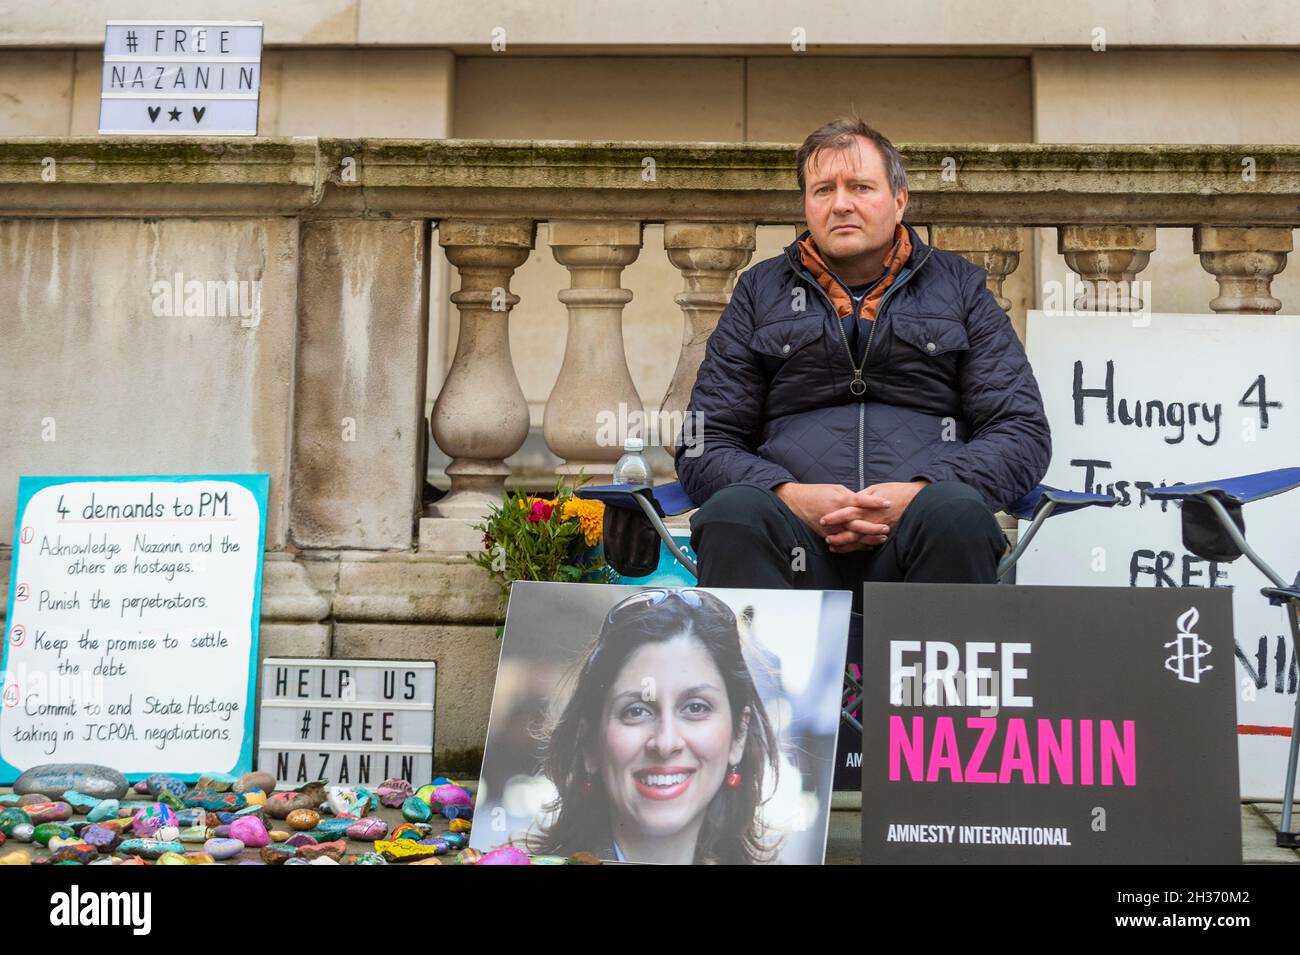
300	839
333	850
250	832
393	792
506	855
451	795
368	829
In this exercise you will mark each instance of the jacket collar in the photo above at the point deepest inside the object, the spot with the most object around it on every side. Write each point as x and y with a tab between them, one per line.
920	251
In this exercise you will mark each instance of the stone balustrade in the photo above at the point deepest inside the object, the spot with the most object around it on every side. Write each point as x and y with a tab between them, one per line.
325	389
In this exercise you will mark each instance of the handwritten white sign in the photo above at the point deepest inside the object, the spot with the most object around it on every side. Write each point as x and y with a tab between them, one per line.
132	623
1144	401
181	78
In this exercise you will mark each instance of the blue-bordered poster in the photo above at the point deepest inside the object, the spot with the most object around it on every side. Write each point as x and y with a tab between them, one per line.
132	628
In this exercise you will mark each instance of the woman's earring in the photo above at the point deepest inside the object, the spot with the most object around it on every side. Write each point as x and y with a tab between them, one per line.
733	777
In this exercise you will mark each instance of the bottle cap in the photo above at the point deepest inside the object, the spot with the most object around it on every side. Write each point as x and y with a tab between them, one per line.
633	444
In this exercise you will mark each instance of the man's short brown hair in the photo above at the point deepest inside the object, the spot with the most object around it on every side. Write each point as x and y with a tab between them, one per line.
840	134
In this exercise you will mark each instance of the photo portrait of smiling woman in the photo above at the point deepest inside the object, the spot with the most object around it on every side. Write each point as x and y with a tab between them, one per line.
670	736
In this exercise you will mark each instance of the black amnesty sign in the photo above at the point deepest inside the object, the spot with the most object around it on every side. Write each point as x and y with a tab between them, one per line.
1048	725
355	722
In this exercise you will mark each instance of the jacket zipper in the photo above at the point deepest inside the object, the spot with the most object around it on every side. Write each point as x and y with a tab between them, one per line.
858	369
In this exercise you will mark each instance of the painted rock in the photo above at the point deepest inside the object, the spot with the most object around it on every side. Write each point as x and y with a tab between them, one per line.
254	797
416	809
393	792
55	779
454	840
105	860
223	848
296	861
366	858
279	805
404	850
303	819
13	817
368	829
168	834
334	827
451	796
150	848
162	782
220	832
275	855
134	860
458	812
506	855
188	818
22	832
98	836
253	809
21	857
425	792
104	809
80	802
214	801
280	835
32	799
468	857
250	832
173	858
216	782
79	853
194	834
460	825
171	801
300	839
46	831
39	812
9	800
323	860
334	850
58	842
120	824
200	858
547	860
142	787
255	780
151	817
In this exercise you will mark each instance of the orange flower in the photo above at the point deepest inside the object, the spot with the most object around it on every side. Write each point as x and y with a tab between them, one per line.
590	514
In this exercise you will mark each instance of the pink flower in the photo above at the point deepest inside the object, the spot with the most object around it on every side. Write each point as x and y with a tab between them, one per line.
541	511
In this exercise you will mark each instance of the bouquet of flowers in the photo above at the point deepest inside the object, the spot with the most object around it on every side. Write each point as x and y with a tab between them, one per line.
554	538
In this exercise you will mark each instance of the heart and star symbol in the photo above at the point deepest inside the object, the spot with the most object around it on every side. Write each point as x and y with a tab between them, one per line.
174	115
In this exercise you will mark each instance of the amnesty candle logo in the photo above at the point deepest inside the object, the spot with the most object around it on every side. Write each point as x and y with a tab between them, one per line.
103	908
1186	661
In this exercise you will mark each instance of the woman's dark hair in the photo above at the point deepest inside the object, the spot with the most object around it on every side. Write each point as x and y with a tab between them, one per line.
731	834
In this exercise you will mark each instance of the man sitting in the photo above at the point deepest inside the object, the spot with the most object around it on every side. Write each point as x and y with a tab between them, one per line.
864	403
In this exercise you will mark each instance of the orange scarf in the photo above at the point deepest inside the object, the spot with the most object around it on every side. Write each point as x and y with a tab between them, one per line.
814	263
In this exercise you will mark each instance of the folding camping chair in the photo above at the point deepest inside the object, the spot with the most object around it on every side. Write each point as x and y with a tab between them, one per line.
634	531
1214	529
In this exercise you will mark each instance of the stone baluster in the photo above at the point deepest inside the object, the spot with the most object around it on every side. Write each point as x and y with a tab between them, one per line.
594	404
481	417
1244	260
708	254
994	248
1107	258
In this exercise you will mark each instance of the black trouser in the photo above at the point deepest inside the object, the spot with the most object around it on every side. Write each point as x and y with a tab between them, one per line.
745	536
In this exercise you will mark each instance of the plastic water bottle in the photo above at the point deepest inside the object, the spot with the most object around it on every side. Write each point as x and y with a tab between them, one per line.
632	467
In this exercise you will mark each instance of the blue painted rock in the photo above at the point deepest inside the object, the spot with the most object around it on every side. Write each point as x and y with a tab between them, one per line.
334	827
23	832
98	836
162	782
458	812
55	779
104	809
40	812
368	829
250	811
454	840
216	782
8	800
220	832
416	809
300	839
255	780
80	801
13	817
150	848
250	832
214	801
223	848
185	818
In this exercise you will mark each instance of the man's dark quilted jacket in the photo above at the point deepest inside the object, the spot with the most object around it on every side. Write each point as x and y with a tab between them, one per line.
949	394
